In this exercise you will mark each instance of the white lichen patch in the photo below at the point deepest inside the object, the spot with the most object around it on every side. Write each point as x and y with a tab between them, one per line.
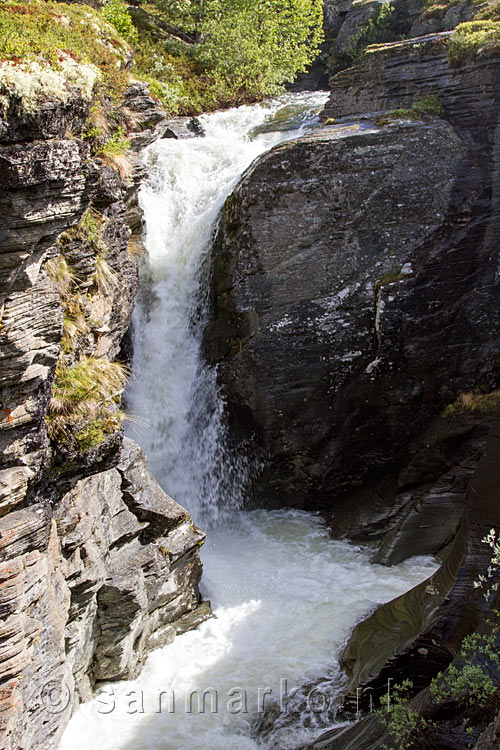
33	81
373	365
282	324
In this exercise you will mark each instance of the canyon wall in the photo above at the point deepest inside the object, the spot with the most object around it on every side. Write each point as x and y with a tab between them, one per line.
356	331
98	565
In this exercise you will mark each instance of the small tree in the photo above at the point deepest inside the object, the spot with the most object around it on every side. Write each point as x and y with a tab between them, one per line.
251	46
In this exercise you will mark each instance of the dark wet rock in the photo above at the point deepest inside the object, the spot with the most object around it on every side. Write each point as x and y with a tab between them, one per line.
350	312
290	117
419	634
183	127
147	118
336	333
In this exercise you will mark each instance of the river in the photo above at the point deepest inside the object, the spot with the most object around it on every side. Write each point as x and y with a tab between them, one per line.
285	595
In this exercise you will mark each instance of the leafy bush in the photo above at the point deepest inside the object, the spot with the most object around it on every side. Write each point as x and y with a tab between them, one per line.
473	684
375	31
255	47
116	13
404	725
243	49
230	51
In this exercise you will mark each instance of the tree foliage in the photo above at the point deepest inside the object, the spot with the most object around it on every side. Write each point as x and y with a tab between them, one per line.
250	45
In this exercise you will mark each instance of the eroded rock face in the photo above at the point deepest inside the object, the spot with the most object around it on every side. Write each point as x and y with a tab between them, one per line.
337	331
97	565
398	74
417	635
88	592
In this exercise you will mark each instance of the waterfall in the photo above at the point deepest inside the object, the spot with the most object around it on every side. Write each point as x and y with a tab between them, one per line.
285	595
174	392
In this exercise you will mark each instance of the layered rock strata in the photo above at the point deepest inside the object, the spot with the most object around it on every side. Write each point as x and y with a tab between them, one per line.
98	566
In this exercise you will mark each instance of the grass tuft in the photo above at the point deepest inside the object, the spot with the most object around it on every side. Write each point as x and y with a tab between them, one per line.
84	403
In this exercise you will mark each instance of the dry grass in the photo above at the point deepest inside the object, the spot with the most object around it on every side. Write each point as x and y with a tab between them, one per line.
474	402
105	278
135	245
124	164
61	273
85	393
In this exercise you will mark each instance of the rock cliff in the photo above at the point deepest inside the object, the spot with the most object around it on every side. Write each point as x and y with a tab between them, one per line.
356	311
98	566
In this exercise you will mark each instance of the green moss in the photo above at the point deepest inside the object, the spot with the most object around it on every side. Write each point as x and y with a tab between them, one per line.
475	38
83	406
419	110
96	432
473	402
89	230
389	278
438	8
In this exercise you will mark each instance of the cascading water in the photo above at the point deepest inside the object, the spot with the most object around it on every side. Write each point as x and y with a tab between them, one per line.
285	595
174	391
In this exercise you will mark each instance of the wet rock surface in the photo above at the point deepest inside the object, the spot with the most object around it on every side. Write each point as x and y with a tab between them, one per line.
337	333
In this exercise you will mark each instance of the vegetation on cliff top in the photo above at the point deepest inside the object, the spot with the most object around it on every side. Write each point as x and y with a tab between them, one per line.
198	55
474	38
49	48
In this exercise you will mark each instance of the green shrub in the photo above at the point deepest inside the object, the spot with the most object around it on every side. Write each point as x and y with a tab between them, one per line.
376	30
116	145
243	51
404	725
473	38
116	13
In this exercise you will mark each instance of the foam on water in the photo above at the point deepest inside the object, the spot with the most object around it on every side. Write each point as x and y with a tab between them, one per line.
285	597
174	392
284	594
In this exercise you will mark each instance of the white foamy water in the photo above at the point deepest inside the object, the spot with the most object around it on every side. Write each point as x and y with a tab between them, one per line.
174	392
285	595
